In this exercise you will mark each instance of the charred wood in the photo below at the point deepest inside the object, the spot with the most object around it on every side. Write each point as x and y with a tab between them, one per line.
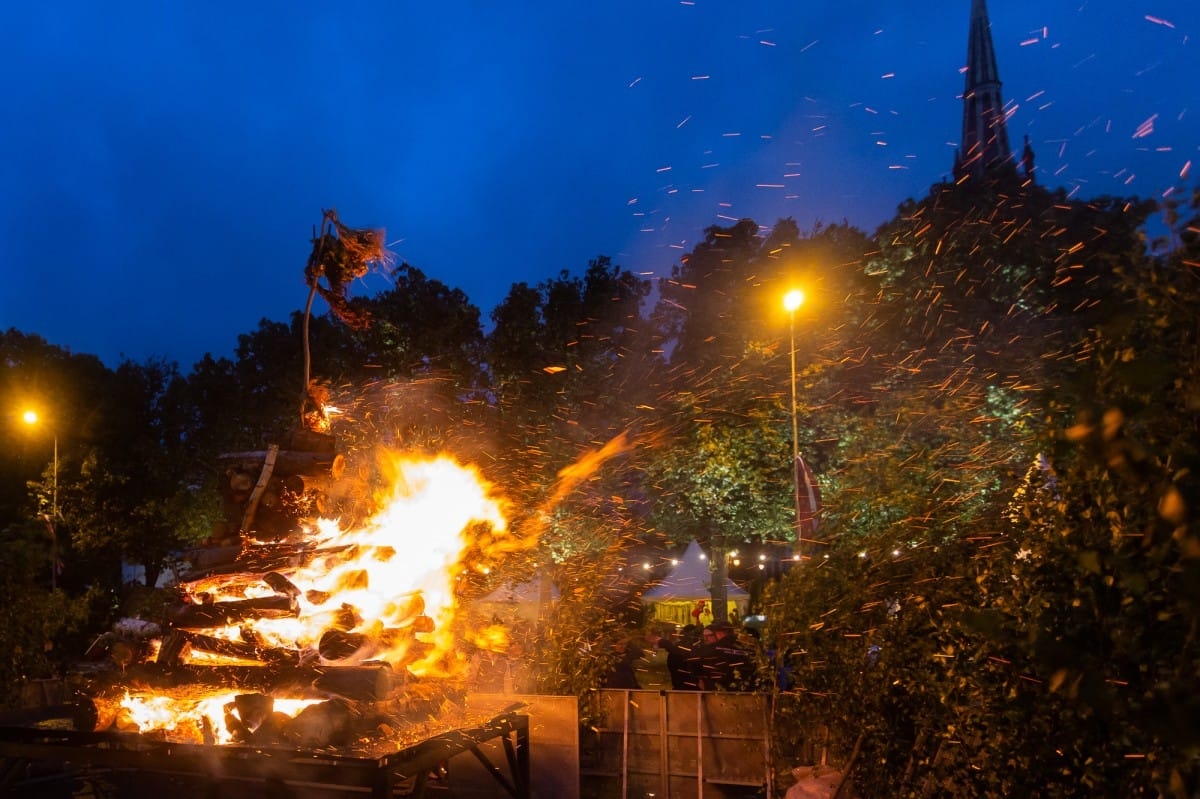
257	558
173	649
366	683
253	710
238	649
288	462
327	724
375	682
281	585
219	614
312	440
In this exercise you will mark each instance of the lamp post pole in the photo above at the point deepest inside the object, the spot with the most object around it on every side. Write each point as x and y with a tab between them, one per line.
54	484
31	418
793	300
54	519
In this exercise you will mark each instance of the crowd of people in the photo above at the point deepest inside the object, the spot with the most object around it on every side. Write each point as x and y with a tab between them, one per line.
718	656
709	658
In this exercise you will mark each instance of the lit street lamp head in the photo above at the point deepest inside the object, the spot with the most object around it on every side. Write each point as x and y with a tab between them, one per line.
29	417
793	300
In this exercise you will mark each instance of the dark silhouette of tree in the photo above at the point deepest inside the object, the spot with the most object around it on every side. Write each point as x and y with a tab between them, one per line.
422	328
1012	523
138	498
570	362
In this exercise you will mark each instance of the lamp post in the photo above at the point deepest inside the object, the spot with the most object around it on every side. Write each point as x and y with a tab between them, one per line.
31	418
791	301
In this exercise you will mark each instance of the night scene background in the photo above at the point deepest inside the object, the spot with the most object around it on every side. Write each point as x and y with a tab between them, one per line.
508	351
157	152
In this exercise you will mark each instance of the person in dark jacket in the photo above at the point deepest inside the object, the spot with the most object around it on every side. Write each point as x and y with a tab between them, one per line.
724	663
678	655
621	673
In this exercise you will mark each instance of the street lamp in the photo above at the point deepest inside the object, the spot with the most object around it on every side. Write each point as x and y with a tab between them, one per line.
791	301
31	418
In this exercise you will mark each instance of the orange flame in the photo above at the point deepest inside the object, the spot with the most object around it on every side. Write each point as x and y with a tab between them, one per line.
386	588
194	718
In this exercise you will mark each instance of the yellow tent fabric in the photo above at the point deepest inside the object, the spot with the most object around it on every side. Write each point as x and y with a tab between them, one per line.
675	597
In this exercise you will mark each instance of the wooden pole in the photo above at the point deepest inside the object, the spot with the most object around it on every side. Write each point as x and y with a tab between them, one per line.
264	477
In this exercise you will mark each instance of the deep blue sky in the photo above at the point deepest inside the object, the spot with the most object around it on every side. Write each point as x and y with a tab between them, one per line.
165	163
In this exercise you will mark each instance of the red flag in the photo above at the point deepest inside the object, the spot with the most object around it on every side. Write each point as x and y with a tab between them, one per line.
808	501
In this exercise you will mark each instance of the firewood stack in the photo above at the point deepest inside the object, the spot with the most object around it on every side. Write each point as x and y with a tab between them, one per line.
345	671
211	640
267	493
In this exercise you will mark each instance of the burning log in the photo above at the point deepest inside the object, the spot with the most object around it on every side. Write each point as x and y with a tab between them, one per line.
327	724
340	645
373	682
252	718
281	585
242	650
220	614
254	710
288	463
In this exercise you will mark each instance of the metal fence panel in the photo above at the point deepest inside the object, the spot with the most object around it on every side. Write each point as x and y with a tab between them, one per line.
678	745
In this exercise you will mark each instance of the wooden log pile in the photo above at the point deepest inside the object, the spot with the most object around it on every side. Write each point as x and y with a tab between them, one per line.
266	493
211	641
196	657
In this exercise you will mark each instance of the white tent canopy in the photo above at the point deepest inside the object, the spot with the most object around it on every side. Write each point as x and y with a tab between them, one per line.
513	601
676	595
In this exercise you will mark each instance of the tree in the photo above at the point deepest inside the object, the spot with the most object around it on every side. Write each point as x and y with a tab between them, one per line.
421	328
704	308
721	317
570	363
36	624
138	495
60	387
992	622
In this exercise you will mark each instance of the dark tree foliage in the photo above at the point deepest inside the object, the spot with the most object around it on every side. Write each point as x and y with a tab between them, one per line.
728	388
37	625
139	496
991	277
61	388
705	309
571	362
423	328
1011	608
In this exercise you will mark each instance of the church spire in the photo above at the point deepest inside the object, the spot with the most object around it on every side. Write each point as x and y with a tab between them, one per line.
984	134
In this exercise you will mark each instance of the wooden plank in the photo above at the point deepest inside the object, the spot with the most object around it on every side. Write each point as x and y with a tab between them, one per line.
264	477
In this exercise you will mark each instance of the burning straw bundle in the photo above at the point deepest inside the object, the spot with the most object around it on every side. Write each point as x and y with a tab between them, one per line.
340	255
